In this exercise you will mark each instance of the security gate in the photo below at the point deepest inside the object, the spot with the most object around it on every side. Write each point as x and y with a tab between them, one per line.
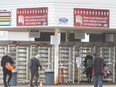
21	53
22	63
105	50
24	50
66	61
46	58
108	53
82	49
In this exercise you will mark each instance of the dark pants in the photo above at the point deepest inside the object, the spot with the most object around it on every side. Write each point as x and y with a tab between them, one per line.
89	73
34	74
5	73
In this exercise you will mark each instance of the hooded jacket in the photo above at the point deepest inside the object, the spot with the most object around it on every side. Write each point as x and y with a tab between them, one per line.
34	64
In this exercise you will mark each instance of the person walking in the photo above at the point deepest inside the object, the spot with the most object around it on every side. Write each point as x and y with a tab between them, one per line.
98	65
88	66
6	59
34	67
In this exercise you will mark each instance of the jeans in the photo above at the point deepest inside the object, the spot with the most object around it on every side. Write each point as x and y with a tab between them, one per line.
98	81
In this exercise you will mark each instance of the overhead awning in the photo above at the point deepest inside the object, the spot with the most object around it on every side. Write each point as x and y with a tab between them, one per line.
69	29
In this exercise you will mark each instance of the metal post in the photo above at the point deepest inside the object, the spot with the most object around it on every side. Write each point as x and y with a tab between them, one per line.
69	66
74	63
114	73
27	60
56	59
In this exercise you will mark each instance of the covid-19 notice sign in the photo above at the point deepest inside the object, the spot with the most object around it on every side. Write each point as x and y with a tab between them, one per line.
32	16
91	17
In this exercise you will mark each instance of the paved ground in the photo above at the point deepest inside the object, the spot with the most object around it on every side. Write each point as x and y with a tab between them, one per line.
63	86
82	84
67	85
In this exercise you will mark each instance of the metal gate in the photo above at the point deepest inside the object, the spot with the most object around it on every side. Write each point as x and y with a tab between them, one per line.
66	58
81	49
22	63
105	50
21	52
46	58
24	50
68	54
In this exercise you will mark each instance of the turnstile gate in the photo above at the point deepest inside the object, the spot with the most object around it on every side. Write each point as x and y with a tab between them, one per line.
107	51
23	51
46	58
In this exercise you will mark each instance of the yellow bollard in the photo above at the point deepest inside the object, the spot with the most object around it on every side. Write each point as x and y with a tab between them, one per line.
78	75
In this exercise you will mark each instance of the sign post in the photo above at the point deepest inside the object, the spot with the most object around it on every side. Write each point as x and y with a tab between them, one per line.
55	40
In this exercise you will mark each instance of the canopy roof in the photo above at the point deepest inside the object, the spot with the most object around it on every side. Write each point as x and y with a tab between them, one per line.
70	29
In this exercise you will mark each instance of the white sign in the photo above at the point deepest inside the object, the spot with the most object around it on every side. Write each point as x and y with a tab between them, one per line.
55	39
78	61
34	34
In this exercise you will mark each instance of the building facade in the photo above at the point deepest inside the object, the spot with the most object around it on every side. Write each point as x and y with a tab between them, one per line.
54	13
56	10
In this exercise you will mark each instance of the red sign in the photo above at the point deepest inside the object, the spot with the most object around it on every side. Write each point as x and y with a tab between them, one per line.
91	17
32	16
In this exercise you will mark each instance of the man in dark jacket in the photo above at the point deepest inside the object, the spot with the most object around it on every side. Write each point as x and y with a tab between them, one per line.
88	66
98	65
6	59
34	65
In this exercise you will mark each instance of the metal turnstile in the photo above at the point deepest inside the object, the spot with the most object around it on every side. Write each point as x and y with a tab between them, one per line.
24	50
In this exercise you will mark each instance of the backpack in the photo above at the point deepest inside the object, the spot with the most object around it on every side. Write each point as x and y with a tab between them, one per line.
89	62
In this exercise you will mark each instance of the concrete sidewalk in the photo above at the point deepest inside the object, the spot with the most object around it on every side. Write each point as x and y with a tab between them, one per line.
82	84
69	85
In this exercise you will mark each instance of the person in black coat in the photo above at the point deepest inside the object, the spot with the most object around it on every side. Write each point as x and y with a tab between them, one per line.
88	66
6	59
34	65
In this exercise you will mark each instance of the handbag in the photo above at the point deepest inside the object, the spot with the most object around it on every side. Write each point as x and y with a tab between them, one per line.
107	72
8	66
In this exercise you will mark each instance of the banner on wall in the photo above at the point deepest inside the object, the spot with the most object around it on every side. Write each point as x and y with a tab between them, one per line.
32	16
91	17
5	18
